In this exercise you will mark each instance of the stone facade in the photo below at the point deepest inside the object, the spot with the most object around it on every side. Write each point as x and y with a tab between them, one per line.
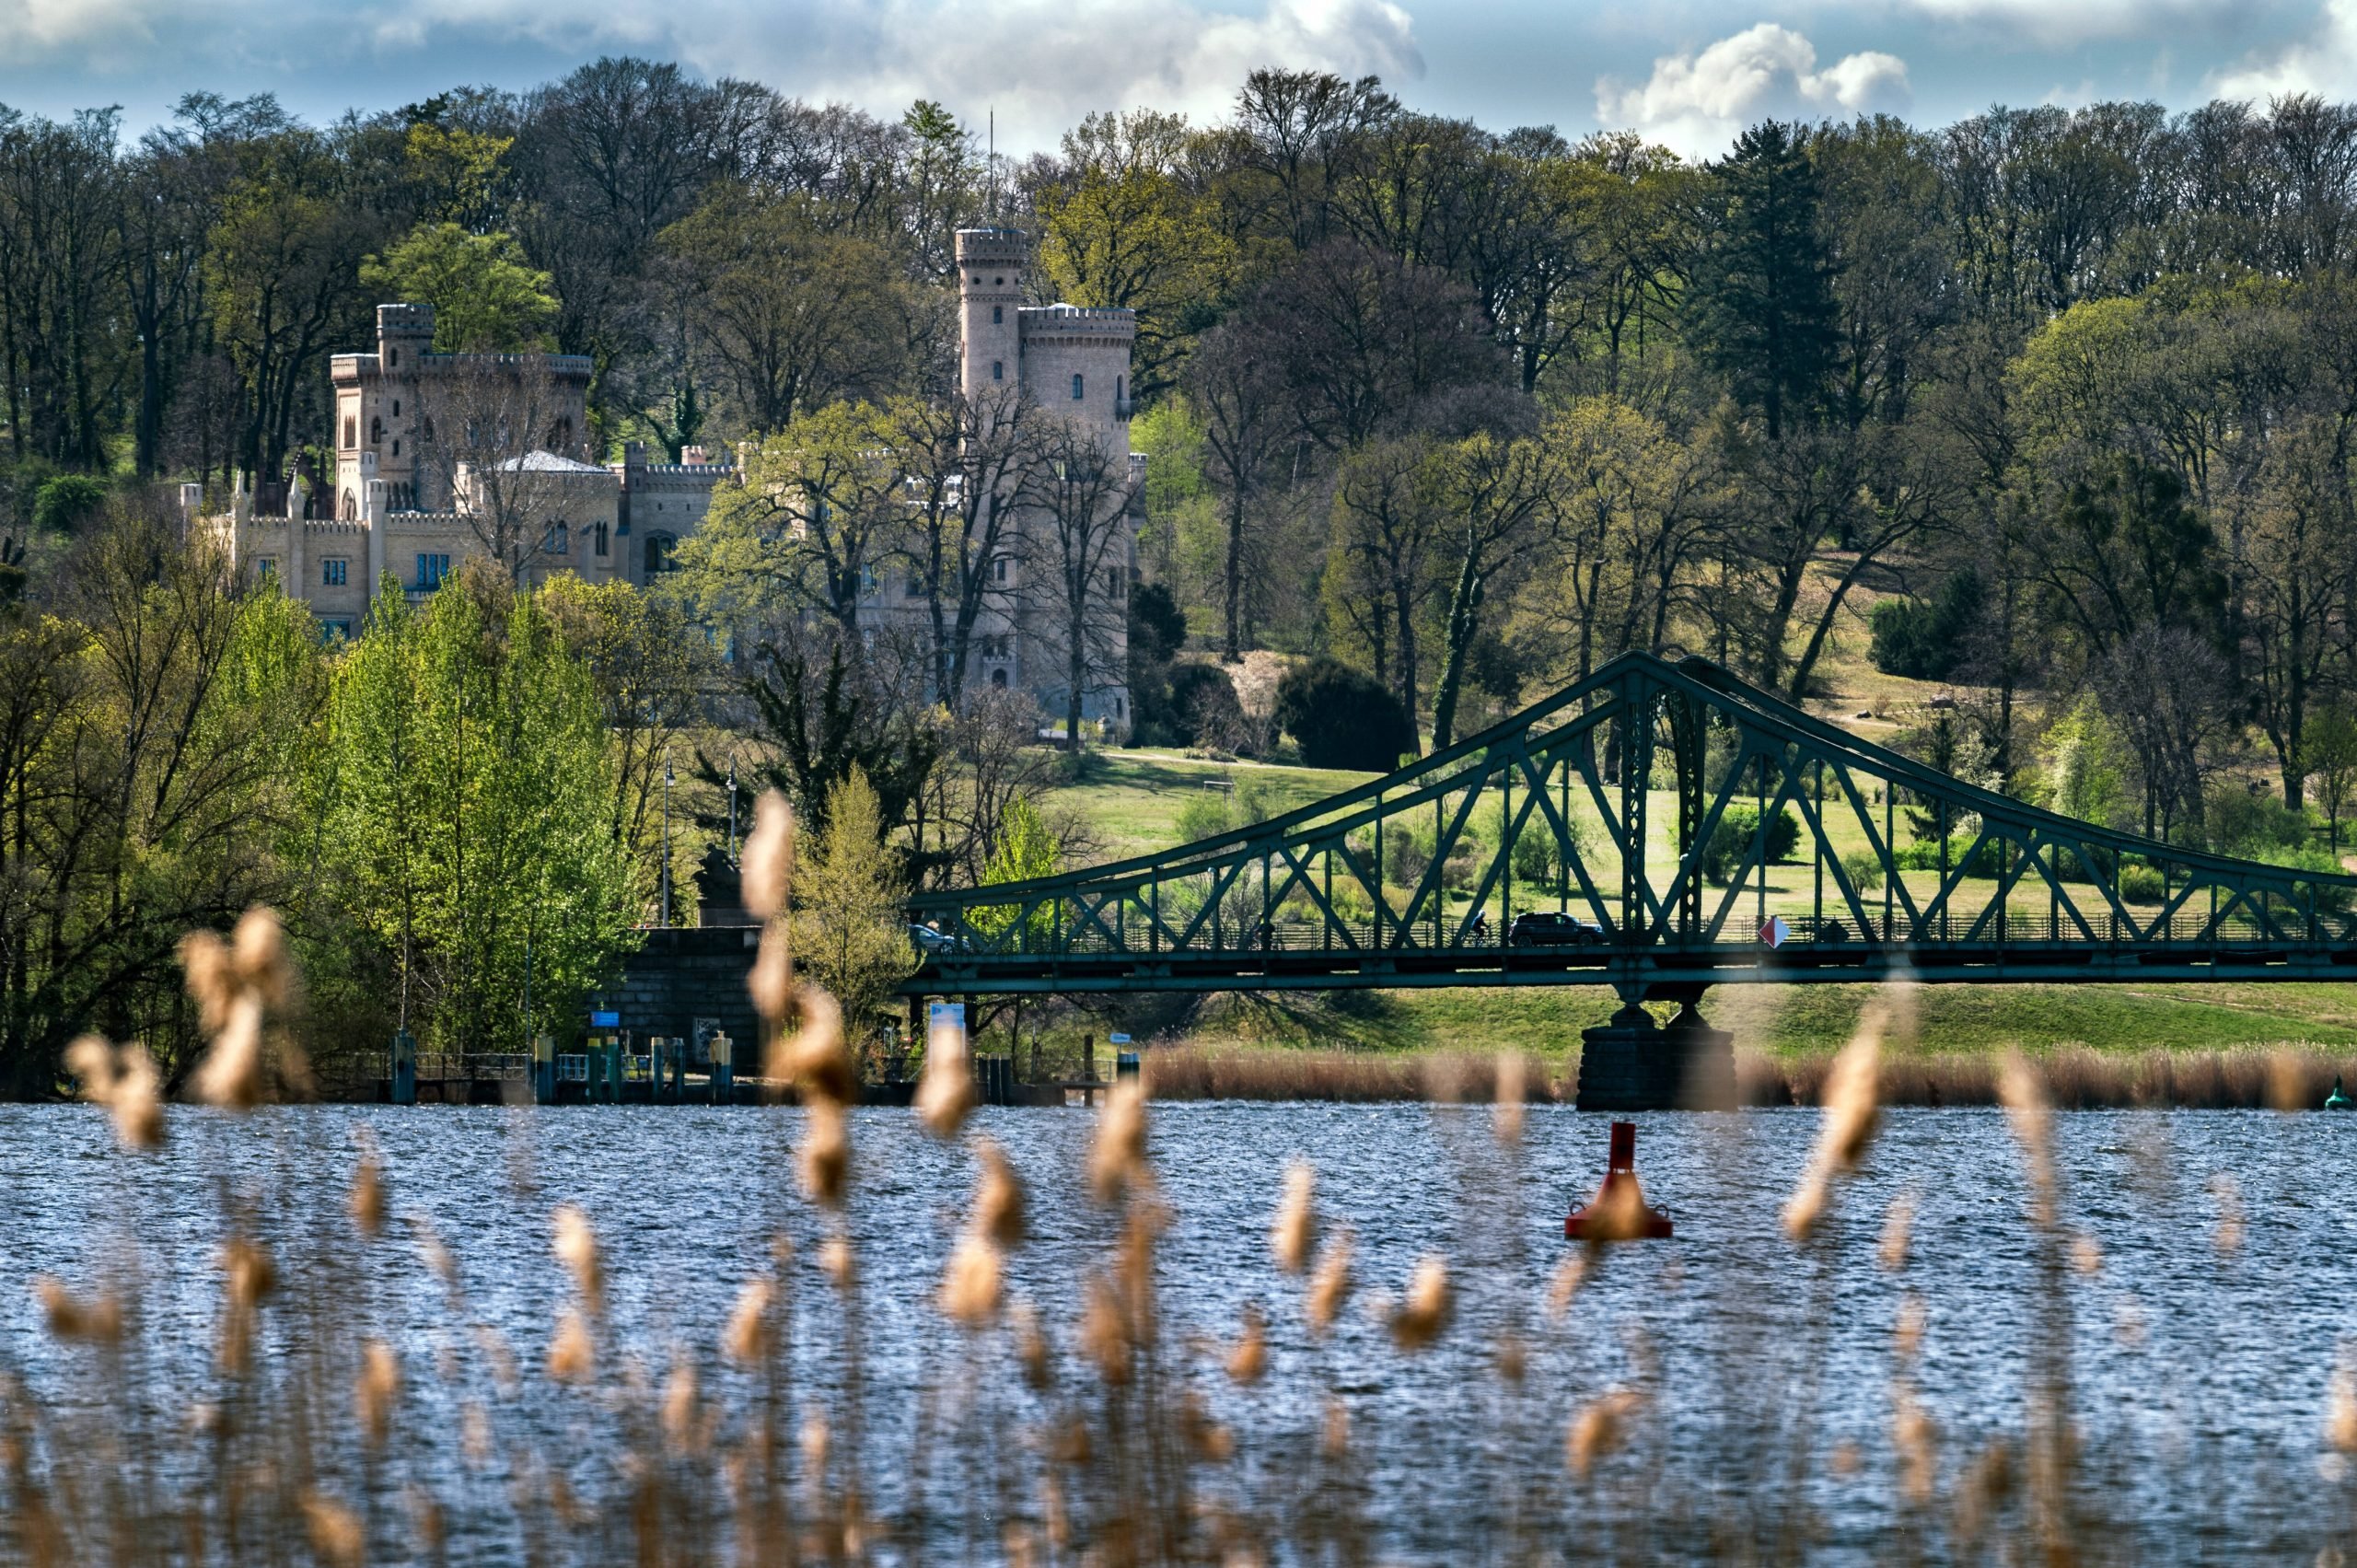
1074	364
392	509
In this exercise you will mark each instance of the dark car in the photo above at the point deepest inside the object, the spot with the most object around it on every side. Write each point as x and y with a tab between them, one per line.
1546	928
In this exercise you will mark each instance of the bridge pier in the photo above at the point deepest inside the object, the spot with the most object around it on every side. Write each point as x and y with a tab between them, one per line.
1634	1063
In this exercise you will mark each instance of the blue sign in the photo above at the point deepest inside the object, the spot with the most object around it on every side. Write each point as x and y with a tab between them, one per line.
1120	1039
605	1020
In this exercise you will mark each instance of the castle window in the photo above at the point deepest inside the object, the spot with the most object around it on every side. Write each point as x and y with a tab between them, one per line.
1076	386
998	678
266	568
333	632
397	408
998	568
397	446
658	553
597	539
332	574
377	429
1000	283
428	432
560	540
350	430
392	357
350	510
431	570
998	315
998	370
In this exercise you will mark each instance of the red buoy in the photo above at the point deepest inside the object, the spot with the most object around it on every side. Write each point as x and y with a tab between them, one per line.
1618	1212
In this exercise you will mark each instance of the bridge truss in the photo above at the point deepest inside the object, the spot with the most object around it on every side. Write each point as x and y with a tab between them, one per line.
1640	803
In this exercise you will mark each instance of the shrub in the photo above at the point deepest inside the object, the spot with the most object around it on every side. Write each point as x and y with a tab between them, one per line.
1204	815
1863	868
2253	824
1344	719
1731	841
1926	641
2141	884
1203	706
1534	856
1924	855
68	502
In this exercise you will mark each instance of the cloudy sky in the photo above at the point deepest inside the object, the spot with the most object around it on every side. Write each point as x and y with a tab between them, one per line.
1687	72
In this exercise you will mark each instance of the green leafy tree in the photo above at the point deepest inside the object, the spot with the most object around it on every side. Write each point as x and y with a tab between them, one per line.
486	297
471	812
1026	848
2328	752
849	932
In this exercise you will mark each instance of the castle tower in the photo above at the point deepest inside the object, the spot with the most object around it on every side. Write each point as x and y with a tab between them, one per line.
990	294
404	337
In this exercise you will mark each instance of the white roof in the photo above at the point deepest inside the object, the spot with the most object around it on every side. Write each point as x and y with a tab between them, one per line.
548	462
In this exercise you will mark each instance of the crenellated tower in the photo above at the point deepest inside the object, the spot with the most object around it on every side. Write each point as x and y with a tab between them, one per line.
990	300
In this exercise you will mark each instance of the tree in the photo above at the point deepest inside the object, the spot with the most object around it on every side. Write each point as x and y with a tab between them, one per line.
1079	556
2329	759
486	299
469	812
1490	491
1762	303
1234	384
498	438
849	932
1388	529
1343	719
796	316
1026	849
2166	688
969	466
820	728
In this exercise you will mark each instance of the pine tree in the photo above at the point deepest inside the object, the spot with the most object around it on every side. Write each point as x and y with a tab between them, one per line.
1763	312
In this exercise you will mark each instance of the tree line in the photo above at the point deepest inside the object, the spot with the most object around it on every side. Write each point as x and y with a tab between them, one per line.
1456	413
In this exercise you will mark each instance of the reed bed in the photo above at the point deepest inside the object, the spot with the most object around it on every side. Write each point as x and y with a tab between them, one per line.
2074	1078
329	1411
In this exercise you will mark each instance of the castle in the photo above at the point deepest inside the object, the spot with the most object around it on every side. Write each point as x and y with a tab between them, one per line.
406	501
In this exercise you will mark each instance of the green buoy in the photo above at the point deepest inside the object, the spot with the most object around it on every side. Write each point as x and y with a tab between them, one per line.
2337	1100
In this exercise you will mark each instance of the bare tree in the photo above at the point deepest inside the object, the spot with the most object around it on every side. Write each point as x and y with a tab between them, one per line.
1241	399
2168	691
971	464
500	440
1078	537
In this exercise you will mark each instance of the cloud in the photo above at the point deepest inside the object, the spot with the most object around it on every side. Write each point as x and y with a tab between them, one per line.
2062	24
1041	63
2323	62
1696	104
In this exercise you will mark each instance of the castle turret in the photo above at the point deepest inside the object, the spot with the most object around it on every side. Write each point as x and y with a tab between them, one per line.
404	335
990	293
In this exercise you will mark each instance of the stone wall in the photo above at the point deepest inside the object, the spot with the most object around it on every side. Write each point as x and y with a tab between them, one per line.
687	974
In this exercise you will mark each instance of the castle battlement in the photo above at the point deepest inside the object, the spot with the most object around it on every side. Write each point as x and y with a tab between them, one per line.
326	528
1010	247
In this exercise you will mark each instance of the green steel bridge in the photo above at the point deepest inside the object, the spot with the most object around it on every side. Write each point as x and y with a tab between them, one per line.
1625	780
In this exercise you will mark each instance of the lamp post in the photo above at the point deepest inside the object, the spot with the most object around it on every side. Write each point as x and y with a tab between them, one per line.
667	839
732	810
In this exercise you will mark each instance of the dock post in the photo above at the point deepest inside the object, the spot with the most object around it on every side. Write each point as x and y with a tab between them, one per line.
544	1069
723	1069
404	1067
614	1069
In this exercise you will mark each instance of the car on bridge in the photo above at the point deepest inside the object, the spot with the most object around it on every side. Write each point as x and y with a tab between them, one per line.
929	941
1550	928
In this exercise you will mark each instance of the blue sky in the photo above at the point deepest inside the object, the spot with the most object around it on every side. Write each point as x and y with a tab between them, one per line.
1687	72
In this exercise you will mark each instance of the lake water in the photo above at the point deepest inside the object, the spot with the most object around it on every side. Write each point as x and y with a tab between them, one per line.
2198	1373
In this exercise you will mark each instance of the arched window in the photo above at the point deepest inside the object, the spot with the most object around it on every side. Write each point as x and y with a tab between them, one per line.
998	678
1076	386
397	408
397	446
658	553
392	357
998	370
599	538
351	511
998	315
377	426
